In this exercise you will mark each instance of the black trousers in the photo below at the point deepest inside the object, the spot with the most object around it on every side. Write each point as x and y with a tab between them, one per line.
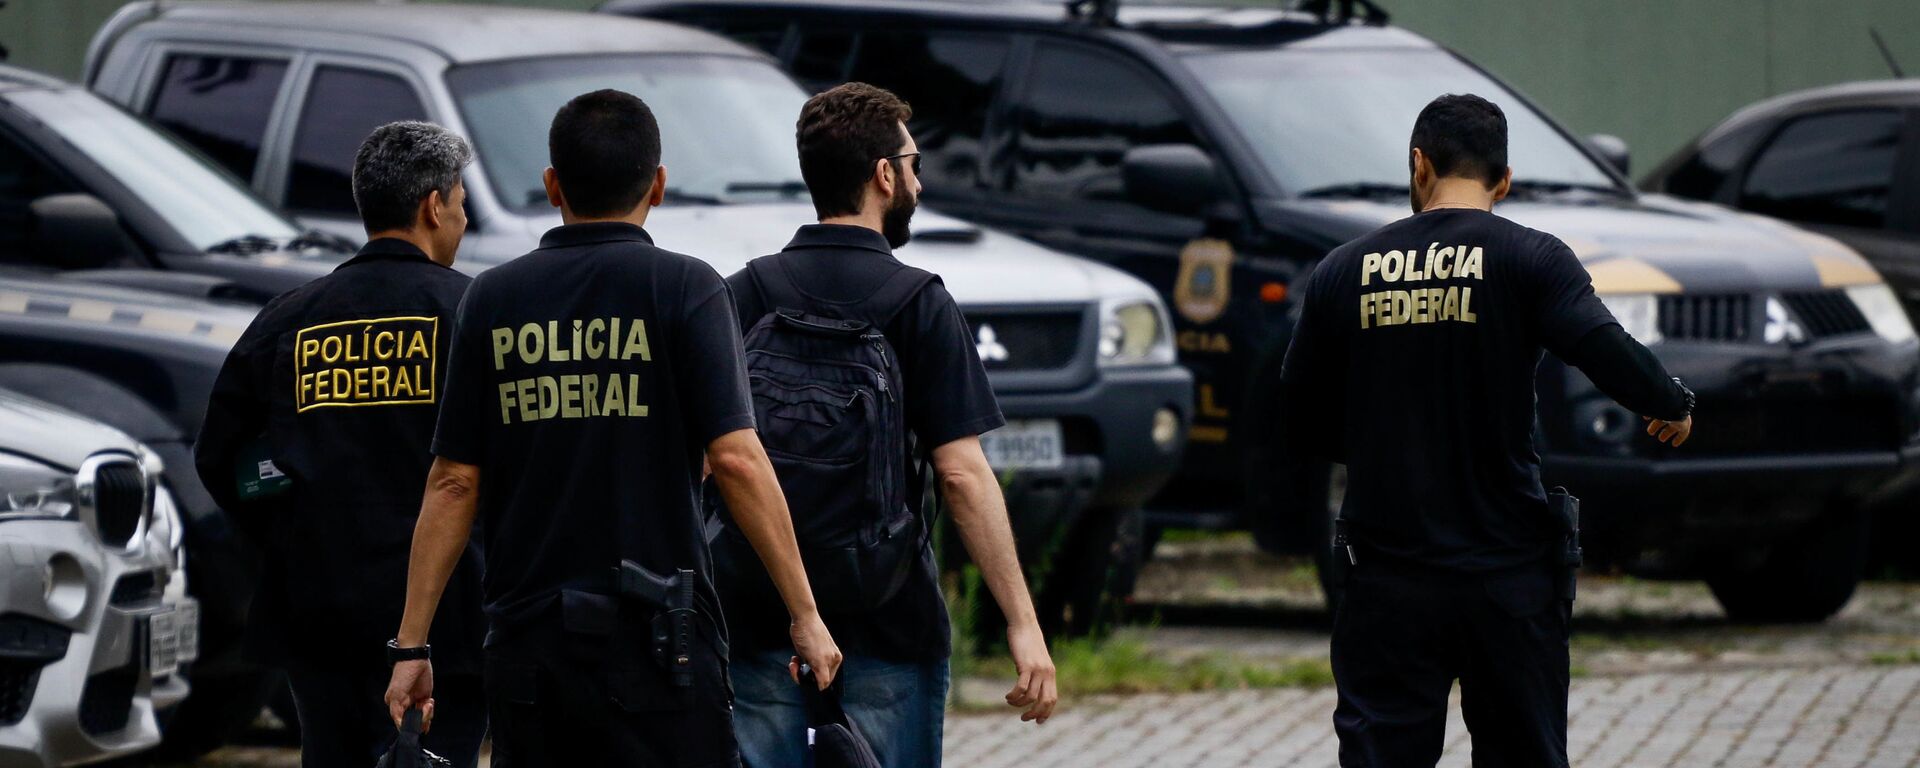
562	698
344	722
1403	634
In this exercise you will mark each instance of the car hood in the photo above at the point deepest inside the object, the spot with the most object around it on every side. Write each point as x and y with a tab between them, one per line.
1653	243
978	266
44	433
58	299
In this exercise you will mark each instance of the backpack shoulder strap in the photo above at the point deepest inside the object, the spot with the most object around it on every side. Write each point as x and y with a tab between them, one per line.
776	287
898	291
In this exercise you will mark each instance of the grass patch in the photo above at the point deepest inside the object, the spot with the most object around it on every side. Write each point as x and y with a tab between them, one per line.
1895	658
1124	665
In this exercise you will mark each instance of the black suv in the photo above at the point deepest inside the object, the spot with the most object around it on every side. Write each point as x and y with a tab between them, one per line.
1843	160
1217	153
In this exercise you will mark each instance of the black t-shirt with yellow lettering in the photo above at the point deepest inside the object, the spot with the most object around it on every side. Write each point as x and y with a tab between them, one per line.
1413	362
586	380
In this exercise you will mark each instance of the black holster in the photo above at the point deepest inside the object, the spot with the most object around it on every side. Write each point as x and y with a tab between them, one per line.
1564	508
671	597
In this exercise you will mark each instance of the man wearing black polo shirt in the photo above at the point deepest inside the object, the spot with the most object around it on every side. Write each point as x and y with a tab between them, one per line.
1413	363
316	440
861	167
587	381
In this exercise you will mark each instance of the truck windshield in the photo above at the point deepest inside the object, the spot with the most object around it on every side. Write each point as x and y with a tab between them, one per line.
726	123
1335	122
198	199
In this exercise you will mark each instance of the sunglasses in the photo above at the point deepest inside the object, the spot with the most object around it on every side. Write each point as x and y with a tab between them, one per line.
914	155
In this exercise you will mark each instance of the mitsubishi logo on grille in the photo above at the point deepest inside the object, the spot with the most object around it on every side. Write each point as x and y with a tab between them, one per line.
987	343
1781	327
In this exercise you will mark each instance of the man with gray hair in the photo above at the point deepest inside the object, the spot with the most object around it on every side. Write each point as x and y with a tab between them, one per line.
317	442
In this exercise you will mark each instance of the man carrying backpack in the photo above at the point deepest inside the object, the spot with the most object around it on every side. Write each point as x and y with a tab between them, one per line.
862	368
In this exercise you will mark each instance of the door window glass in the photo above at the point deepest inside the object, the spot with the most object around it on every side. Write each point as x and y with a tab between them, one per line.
1702	175
23	179
220	104
1082	112
821	59
951	82
343	106
1834	168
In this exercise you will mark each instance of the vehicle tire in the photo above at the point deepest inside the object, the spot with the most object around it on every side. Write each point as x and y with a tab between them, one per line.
1330	485
1095	574
1806	579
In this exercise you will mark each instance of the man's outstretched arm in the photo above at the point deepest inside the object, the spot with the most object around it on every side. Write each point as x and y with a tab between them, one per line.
980	515
446	521
752	492
1625	370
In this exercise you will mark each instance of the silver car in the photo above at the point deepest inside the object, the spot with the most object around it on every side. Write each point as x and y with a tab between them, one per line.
95	624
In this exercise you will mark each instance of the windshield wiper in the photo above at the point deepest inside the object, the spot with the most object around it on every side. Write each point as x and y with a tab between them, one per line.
681	196
786	188
1360	190
1538	187
244	245
314	238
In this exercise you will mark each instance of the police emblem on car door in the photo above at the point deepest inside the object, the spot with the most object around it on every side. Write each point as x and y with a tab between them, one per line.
1202	290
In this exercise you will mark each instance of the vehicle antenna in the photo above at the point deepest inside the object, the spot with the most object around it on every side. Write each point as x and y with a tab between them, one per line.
1885	53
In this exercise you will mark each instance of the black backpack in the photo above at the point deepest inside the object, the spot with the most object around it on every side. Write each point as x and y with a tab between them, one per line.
828	403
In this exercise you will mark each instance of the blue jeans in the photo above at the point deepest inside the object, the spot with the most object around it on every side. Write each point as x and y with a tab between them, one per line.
900	707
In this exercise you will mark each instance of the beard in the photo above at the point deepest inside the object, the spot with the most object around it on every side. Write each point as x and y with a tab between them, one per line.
894	221
1413	197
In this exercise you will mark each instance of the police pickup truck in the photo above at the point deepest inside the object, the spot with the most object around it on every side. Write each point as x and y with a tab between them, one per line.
1217	153
1079	353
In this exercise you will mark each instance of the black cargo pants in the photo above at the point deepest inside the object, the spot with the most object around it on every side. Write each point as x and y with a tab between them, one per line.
1404	633
558	695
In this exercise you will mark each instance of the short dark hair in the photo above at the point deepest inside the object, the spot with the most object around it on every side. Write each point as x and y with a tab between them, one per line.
841	131
605	148
398	165
1464	135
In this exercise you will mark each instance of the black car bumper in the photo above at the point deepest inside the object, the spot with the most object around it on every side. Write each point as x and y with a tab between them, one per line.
1783	436
1112	459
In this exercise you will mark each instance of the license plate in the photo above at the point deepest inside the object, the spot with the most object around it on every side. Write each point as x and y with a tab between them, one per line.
163	644
173	638
1032	444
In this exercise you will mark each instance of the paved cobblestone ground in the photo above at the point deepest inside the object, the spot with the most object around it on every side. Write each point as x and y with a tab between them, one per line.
1833	717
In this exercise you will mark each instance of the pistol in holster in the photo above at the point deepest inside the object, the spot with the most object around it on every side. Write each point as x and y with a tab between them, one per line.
672	597
1564	508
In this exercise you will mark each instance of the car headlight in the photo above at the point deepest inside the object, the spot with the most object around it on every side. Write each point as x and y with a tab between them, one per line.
30	489
1134	332
1883	311
1638	313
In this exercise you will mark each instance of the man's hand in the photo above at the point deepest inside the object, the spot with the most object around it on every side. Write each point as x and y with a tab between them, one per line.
1037	689
814	646
1675	432
411	686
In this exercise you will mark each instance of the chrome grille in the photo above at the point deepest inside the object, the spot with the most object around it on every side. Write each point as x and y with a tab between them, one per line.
115	493
1706	317
1026	340
1826	313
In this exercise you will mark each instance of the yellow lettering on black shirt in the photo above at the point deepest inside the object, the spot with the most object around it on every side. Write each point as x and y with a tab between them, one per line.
377	361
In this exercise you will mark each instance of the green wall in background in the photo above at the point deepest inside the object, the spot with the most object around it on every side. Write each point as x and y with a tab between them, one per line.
1655	72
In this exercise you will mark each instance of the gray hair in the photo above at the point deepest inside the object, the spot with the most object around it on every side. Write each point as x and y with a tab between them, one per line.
399	165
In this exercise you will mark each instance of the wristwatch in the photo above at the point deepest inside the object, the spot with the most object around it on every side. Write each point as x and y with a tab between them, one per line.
397	654
1686	394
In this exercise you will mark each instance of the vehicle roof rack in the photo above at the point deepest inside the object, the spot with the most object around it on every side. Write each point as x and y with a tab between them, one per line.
1341	11
1099	13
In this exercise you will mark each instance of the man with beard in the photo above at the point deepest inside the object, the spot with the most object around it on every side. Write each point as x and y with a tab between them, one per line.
1413	363
862	169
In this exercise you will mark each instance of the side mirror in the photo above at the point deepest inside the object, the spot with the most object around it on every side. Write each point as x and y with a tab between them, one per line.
1612	149
77	231
1173	178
